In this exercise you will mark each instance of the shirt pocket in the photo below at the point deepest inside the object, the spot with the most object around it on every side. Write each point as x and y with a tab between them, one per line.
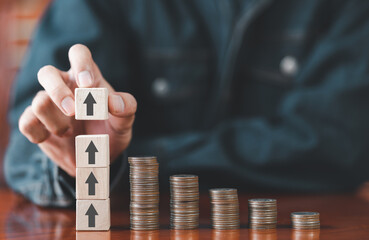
272	64
173	89
278	58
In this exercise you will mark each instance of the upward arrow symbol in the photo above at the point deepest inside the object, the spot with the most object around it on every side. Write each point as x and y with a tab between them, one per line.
91	150
90	101
91	213
91	181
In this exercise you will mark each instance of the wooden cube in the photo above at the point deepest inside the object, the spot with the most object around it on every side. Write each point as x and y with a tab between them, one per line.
93	215
92	151
91	103
92	183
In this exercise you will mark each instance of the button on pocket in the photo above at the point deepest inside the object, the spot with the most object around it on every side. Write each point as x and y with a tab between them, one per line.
289	66
160	87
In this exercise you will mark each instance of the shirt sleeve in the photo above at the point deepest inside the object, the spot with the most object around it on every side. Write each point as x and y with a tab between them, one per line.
28	170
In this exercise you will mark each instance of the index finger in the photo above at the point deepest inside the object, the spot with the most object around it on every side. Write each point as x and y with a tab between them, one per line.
84	69
51	80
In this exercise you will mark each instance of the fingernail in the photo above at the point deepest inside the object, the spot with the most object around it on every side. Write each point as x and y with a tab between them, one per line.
68	105
84	79
118	103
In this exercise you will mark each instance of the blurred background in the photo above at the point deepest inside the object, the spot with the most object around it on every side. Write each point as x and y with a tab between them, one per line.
18	19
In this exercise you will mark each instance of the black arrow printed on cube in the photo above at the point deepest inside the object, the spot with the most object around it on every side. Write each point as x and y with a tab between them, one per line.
91	213
91	181
91	149
90	101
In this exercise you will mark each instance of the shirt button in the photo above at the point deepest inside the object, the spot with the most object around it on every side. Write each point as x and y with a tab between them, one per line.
289	66
160	87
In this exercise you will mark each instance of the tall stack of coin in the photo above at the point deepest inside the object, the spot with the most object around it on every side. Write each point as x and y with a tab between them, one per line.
262	213
305	220
144	181
225	208
184	201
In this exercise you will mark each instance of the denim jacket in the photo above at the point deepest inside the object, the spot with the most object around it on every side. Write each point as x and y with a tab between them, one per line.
254	93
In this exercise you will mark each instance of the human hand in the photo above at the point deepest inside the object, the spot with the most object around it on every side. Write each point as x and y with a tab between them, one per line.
49	121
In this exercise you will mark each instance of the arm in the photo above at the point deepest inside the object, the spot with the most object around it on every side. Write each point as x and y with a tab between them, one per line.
31	169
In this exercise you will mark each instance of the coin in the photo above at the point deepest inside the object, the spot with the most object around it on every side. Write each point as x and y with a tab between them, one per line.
184	201
262	213
224	208
144	186
305	220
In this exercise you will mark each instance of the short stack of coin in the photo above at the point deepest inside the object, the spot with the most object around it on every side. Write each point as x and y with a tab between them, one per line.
225	208
144	182
305	220
262	213
184	202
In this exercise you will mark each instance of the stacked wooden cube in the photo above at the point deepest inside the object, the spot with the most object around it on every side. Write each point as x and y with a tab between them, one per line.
92	161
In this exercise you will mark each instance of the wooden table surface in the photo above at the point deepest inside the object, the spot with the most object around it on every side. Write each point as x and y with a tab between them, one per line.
343	216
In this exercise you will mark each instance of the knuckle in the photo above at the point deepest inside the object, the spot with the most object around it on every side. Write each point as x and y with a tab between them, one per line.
125	133
28	126
125	128
58	92
41	103
59	130
24	124
128	133
37	136
35	139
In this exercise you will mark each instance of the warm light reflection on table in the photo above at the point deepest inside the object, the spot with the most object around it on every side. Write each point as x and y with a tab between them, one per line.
267	234
344	216
145	235
184	234
226	234
305	234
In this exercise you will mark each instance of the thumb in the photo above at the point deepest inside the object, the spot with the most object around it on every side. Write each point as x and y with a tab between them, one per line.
122	107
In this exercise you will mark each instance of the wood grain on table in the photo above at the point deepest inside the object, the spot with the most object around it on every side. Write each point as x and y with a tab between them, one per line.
343	216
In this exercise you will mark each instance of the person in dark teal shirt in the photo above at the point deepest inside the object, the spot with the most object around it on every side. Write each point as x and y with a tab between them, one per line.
251	94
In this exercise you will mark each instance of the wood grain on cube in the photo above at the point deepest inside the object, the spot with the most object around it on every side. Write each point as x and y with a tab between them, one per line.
92	151
91	103
92	183
93	215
